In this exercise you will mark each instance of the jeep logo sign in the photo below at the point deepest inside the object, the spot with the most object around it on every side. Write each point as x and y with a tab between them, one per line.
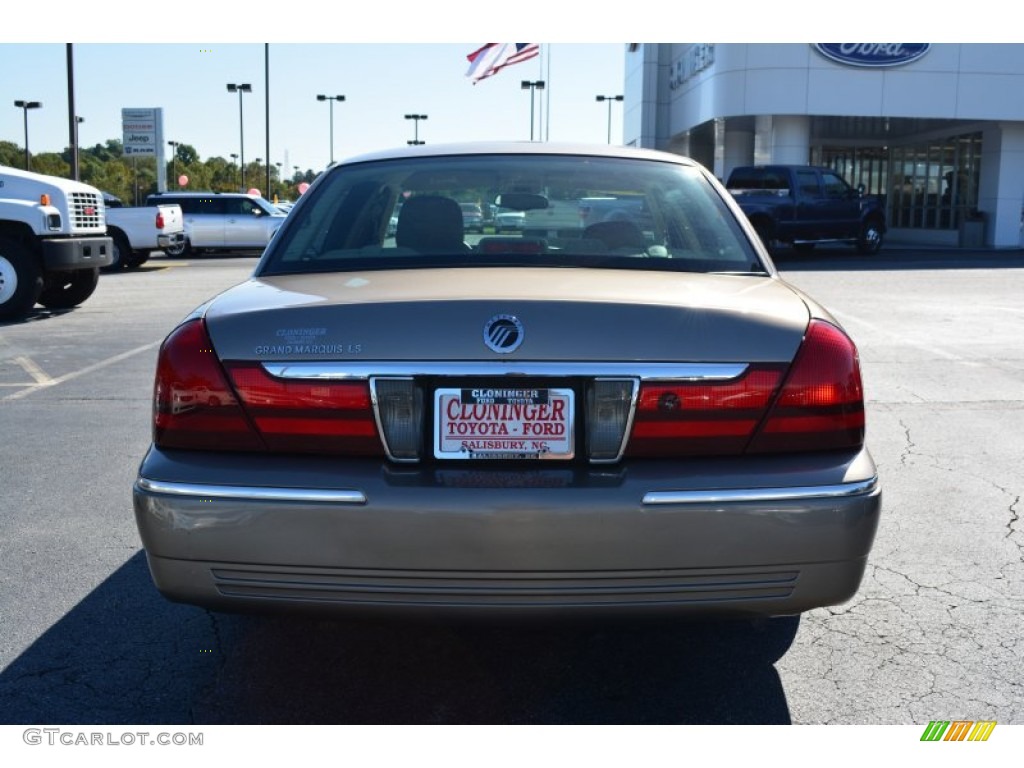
873	54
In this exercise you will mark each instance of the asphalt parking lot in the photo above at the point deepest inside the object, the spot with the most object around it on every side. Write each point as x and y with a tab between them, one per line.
934	633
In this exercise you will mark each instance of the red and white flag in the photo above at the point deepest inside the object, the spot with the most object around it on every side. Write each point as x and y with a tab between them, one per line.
494	57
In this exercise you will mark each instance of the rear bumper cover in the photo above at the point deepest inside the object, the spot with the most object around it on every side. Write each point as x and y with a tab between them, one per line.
764	537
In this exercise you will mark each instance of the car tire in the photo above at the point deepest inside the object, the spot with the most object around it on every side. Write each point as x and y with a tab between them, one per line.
178	250
869	241
70	289
121	252
21	279
138	259
764	232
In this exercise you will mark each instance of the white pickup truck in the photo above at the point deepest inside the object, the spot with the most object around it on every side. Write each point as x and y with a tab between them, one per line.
53	241
137	232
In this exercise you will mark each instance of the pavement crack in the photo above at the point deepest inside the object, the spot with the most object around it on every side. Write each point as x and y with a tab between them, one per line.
908	449
1011	525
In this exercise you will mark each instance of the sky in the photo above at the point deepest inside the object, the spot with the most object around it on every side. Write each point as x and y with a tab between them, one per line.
388	59
381	84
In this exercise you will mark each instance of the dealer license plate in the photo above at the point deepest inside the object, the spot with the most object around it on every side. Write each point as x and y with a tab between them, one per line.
503	423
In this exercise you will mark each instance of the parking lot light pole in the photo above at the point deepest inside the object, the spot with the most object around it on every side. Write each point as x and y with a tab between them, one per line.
416	130
78	122
331	100
241	88
25	107
609	99
532	86
174	151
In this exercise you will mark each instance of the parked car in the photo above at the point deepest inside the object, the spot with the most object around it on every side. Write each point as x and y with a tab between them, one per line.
222	221
803	206
472	217
137	232
609	422
509	221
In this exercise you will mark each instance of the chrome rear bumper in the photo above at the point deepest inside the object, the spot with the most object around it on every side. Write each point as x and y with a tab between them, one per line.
350	536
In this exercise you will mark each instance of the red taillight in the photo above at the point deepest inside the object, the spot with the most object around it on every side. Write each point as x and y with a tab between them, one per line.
702	418
193	404
159	220
308	416
821	405
201	404
818	405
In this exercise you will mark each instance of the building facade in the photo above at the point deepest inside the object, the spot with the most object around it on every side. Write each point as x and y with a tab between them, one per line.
937	129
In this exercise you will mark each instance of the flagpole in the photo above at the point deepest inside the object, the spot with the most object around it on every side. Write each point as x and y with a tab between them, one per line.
547	96
540	76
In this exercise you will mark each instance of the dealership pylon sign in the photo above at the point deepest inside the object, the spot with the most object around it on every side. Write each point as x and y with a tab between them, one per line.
142	132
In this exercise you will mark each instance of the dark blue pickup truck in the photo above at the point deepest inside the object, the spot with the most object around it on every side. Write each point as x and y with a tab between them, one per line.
803	205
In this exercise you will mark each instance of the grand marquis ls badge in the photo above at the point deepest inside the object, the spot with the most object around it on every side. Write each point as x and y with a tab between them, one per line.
503	334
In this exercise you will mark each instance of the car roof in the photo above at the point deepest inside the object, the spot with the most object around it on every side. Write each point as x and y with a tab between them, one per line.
518	148
203	194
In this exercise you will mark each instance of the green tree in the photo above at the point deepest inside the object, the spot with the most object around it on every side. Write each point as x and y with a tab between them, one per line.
223	175
186	154
113	176
51	164
198	176
109	151
12	155
106	167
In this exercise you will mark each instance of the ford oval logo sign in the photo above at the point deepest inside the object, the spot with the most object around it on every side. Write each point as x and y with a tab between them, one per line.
873	54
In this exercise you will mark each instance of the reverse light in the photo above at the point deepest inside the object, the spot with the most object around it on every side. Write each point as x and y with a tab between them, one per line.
609	405
399	409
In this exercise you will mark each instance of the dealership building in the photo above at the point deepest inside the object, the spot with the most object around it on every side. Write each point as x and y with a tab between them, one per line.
937	129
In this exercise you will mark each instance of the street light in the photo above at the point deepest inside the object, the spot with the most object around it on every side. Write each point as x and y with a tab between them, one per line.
78	121
240	88
416	130
532	85
609	99
174	151
26	106
331	100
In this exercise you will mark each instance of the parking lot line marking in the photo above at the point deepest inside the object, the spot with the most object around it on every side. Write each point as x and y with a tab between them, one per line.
82	372
33	370
847	318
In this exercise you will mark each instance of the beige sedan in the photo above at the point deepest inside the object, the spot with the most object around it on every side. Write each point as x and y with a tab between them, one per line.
632	416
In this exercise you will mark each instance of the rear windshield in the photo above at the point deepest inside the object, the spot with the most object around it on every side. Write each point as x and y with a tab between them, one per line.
553	210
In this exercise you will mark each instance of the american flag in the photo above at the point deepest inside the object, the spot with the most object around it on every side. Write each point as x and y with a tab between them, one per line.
494	57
